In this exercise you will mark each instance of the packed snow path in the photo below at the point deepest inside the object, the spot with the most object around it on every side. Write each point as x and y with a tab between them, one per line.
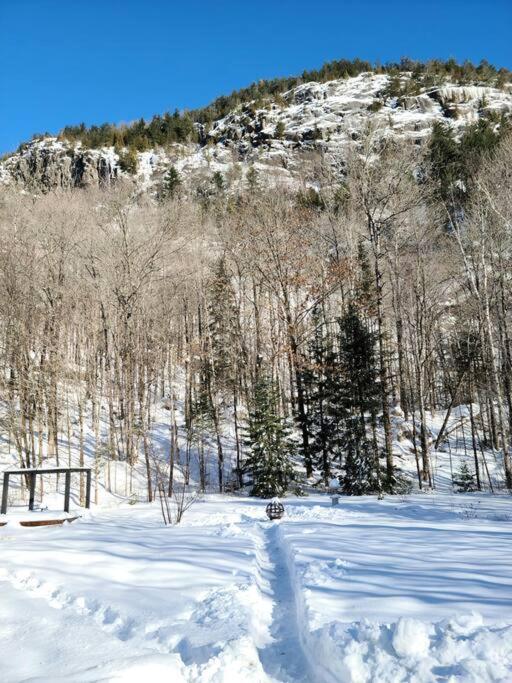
404	589
283	658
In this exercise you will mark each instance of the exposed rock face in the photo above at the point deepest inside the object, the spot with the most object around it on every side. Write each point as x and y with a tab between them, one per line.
286	143
50	164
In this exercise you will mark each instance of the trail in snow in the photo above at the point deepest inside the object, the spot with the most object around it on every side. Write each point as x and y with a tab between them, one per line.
104	616
375	590
283	658
55	638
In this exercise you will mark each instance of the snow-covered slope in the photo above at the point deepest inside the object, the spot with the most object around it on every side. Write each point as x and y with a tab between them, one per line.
286	141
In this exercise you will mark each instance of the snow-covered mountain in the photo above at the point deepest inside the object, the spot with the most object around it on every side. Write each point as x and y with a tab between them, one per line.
287	141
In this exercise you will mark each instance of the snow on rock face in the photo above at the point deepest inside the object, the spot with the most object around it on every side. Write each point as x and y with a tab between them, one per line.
285	141
462	94
145	168
47	164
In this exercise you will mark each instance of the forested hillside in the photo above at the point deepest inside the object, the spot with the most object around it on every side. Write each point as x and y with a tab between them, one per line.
302	291
300	327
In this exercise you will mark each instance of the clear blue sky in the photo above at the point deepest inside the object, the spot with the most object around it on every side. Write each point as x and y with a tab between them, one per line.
67	61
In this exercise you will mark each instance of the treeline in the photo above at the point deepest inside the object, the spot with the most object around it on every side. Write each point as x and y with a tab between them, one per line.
139	136
179	127
298	331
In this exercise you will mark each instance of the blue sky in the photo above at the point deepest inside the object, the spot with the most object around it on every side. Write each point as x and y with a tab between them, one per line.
67	61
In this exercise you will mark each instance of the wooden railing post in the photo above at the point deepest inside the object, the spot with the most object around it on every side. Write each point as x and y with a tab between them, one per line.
67	491
5	490
88	489
32	490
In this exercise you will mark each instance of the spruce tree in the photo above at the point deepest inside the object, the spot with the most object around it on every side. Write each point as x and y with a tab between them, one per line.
170	184
465	479
202	422
361	475
252	179
269	443
359	395
128	161
223	327
279	130
218	182
321	381
445	161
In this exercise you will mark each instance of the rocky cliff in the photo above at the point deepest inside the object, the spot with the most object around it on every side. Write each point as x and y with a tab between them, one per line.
290	141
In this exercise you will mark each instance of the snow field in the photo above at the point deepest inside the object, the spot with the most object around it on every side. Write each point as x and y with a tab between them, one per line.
404	589
128	588
394	591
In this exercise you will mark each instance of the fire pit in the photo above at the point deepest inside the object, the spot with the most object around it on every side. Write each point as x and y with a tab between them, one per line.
275	509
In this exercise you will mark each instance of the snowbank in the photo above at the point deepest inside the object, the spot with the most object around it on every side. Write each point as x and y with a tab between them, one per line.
413	650
372	586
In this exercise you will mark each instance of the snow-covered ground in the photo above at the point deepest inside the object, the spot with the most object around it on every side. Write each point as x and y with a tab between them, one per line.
415	588
408	588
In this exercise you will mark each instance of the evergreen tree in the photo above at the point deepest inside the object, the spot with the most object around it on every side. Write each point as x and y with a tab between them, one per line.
218	181
359	395
321	382
478	140
361	474
202	422
170	184
128	161
223	327
311	199
252	179
465	479
445	162
279	130
268	440
453	164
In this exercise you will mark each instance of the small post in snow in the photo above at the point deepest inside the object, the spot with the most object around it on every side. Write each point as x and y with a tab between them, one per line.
334	487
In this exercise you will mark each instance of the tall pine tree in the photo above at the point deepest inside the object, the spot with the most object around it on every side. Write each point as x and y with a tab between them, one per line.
321	381
171	184
358	398
223	328
269	443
